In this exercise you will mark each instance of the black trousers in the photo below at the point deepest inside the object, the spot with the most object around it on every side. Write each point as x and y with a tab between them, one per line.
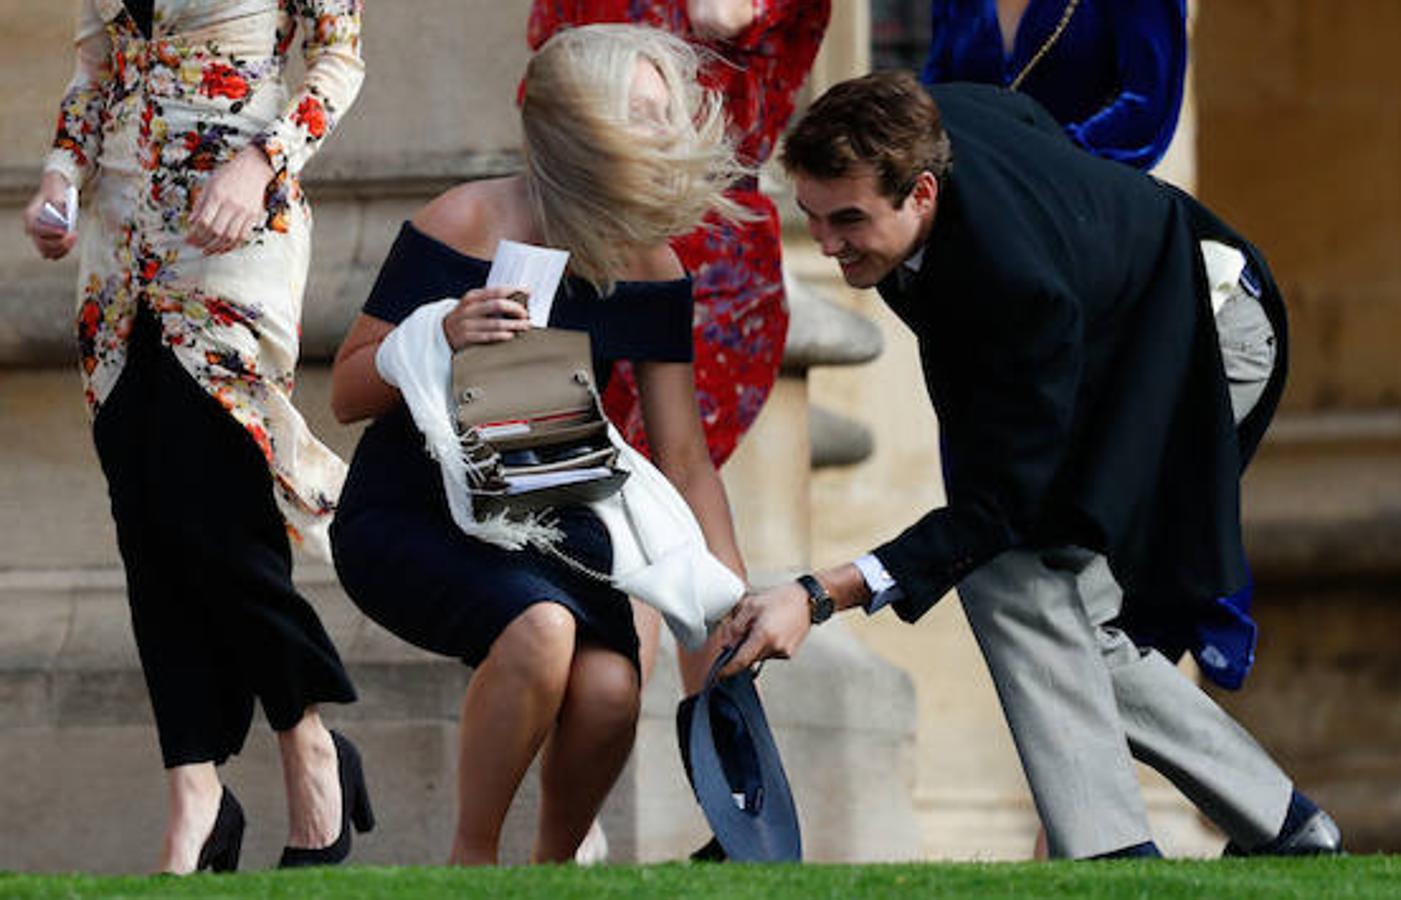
208	563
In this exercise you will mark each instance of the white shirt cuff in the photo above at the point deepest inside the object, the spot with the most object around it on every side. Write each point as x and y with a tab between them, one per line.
879	582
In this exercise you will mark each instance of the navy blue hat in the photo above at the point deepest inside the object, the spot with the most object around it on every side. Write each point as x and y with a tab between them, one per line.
735	770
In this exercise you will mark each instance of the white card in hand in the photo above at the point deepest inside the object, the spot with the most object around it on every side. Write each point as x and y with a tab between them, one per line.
65	219
52	218
70	200
536	269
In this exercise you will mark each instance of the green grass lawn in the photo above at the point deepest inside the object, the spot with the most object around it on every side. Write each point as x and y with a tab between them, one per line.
1347	877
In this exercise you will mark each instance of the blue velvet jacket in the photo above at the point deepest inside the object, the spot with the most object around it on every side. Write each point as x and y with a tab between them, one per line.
1113	79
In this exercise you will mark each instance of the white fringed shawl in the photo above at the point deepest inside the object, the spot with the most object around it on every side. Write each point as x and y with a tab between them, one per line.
416	359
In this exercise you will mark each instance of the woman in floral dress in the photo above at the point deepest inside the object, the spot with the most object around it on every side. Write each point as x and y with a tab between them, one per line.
758	56
181	133
762	51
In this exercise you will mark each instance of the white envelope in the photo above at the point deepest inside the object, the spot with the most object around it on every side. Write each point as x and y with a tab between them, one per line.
536	269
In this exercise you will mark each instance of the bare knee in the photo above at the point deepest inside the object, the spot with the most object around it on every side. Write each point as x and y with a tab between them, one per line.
604	686
536	648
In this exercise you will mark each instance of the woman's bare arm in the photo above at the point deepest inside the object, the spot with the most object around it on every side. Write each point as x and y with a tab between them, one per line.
357	391
720	19
672	420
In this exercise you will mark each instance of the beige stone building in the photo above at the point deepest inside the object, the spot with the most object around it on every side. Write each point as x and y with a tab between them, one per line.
1293	134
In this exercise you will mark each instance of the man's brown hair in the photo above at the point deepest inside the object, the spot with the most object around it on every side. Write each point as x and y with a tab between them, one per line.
885	120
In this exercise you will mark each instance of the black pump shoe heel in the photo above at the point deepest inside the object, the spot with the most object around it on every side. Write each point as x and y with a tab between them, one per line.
225	842
355	811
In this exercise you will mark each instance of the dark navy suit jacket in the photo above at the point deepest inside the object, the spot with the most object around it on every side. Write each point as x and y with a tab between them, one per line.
1069	349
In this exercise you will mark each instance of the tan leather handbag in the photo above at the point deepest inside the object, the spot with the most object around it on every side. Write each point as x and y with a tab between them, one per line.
531	424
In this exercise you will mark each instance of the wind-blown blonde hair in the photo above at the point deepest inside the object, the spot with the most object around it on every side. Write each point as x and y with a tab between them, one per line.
602	182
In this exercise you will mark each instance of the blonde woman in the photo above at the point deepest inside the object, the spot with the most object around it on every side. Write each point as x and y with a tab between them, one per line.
623	151
195	248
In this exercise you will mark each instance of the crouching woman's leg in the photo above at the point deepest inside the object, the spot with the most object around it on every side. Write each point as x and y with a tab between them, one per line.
510	707
588	748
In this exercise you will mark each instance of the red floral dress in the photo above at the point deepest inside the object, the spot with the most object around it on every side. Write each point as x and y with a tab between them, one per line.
741	318
156	117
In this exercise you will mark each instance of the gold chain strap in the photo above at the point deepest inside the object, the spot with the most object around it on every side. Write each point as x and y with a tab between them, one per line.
579	568
573	564
1046	45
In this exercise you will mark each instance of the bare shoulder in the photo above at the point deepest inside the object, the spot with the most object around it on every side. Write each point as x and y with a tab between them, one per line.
473	216
655	263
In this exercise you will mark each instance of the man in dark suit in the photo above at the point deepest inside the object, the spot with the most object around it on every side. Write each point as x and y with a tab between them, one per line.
1103	355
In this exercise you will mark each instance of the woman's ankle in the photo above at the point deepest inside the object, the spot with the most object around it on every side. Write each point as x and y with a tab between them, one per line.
474	851
311	777
308	743
193	787
195	792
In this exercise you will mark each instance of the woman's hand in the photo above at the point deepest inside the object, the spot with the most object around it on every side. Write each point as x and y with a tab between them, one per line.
230	205
768	625
51	242
720	20
486	316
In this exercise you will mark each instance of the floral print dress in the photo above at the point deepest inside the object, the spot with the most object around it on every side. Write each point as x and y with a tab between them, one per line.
154	118
741	318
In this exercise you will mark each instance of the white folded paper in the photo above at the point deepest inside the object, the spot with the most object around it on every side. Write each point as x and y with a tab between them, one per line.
65	219
537	270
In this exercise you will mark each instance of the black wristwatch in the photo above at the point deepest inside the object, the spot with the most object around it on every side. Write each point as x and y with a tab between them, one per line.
820	605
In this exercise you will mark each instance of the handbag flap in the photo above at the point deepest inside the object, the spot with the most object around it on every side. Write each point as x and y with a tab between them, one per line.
543	372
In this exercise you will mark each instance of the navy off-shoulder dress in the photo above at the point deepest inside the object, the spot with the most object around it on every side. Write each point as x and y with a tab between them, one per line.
400	556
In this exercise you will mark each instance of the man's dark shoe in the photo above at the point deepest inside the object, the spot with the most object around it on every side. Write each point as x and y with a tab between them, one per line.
1145	850
1307	831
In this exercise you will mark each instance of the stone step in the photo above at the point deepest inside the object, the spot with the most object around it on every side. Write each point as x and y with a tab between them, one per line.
86	791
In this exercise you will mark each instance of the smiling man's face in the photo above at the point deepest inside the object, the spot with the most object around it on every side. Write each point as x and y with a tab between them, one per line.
862	228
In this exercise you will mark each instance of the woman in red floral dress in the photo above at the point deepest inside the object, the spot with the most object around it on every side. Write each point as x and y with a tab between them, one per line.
763	51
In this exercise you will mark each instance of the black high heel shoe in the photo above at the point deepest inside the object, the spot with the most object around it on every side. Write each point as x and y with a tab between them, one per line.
221	849
355	809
